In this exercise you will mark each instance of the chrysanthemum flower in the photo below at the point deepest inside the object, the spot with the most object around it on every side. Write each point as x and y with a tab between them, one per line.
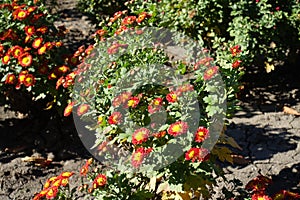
235	50
68	109
31	9
184	88
236	64
42	30
121	99
82	109
42	50
155	105
160	134
116	16
259	196
20	14
52	192
37	43
142	16
22	76
178	128
29	30
210	72
10	79
25	59
29	80
201	134
17	51
204	61
128	20
100	181
140	136
132	102
115	118
138	157
5	59
171	97
197	154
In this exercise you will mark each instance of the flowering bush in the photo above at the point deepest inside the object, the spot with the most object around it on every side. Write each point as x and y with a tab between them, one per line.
267	31
32	56
157	102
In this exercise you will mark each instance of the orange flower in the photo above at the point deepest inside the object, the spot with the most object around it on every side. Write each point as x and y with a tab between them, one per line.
22	76
99	181
66	174
210	72
115	118
100	32
64	182
201	134
178	128
29	30
25	59
160	134
68	109
20	14
116	16
140	136
17	51
142	16
62	69
29	80
52	192
171	97
5	59
10	79
37	43
37	197
42	30
260	197
82	109
128	20
31	9
42	50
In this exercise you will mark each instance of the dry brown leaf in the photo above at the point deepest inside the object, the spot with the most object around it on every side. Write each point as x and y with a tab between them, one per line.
38	161
290	111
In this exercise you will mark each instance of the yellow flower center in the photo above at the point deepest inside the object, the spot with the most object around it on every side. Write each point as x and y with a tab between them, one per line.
177	128
191	154
26	60
138	157
21	14
139	136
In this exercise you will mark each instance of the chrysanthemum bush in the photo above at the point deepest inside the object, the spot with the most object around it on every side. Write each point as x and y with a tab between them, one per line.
155	103
266	30
32	57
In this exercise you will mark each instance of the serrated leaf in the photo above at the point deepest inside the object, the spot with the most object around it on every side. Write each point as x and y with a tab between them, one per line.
223	153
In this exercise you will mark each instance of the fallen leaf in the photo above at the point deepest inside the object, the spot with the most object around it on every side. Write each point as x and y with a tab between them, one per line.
38	161
290	111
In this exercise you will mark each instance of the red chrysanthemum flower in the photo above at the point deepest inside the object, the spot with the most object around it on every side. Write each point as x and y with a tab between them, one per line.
17	51
20	14
197	154
142	16
116	16
25	59
259	183
121	99
140	136
29	80
259	196
31	9
52	192
82	109
10	79
100	181
68	109
178	128
22	76
171	97
235	50
210	72
5	59
115	118
37	43
201	134
121	29
236	64
155	105
42	30
204	61
29	30
138	157
132	102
